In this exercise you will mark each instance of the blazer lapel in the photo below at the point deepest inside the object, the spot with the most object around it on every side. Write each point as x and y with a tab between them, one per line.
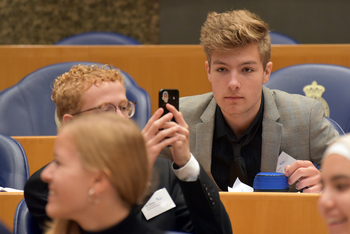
204	136
271	133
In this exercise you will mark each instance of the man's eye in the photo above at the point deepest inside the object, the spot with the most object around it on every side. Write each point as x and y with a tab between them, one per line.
221	69
247	70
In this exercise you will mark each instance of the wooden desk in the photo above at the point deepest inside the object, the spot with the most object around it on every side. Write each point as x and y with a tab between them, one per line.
250	213
154	66
8	205
39	150
273	213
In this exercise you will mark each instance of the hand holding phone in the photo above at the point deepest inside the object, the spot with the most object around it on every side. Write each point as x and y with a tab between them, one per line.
170	96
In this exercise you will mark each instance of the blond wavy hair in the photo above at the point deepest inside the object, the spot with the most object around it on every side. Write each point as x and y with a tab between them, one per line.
70	86
115	146
222	32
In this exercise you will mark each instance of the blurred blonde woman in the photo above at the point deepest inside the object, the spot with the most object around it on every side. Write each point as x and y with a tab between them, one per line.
334	202
98	174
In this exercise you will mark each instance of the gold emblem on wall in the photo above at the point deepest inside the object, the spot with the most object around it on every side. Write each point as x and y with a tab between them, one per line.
315	91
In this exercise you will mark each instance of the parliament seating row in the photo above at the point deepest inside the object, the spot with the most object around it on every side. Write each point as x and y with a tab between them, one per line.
112	38
262	213
332	80
155	67
248	212
26	109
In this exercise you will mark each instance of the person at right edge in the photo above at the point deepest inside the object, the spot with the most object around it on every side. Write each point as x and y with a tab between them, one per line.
241	127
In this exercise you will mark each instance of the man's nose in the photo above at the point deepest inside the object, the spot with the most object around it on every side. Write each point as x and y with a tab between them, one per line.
234	81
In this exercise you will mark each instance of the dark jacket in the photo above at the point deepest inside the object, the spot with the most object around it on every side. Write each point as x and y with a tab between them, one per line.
198	206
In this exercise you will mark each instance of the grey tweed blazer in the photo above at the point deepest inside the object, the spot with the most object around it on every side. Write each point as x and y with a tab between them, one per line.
292	123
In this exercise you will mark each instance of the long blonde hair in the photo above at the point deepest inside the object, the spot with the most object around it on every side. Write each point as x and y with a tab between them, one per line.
113	145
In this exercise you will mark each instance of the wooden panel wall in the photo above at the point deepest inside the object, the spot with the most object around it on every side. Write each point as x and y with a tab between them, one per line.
39	150
8	205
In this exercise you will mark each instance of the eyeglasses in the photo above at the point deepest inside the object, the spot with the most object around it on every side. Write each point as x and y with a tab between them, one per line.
127	108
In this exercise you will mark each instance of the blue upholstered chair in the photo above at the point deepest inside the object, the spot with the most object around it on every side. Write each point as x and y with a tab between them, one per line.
26	109
3	229
98	38
336	126
280	38
23	222
325	82
14	169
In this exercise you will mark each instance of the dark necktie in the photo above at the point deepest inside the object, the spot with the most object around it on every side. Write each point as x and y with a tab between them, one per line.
238	166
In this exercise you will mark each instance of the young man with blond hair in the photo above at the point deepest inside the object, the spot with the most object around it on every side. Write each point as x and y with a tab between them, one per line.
241	127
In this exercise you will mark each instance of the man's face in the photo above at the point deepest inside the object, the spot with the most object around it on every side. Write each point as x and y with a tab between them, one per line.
107	92
237	77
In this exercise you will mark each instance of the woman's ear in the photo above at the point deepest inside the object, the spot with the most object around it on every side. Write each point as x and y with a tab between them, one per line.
100	182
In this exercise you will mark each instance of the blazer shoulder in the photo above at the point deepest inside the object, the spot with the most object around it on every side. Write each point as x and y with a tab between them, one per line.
297	101
195	104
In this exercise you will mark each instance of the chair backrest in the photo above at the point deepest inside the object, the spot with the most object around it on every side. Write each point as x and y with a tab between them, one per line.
280	38
336	126
14	169
23	221
26	109
324	82
3	229
98	38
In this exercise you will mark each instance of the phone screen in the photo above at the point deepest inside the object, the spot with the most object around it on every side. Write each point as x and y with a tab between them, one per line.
170	96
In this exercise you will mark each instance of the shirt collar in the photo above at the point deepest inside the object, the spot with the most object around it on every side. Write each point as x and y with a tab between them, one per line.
222	128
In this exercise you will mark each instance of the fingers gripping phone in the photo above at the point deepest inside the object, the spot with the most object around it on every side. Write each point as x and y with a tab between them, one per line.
170	96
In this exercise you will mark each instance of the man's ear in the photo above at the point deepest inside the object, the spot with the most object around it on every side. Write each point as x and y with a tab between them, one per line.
207	67
67	117
267	72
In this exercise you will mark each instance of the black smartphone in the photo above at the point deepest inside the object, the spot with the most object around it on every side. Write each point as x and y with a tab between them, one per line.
170	96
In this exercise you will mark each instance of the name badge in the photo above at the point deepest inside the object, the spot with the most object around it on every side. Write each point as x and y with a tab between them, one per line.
158	204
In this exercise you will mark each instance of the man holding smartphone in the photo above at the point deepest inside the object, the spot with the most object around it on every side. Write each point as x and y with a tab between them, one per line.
198	208
241	127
